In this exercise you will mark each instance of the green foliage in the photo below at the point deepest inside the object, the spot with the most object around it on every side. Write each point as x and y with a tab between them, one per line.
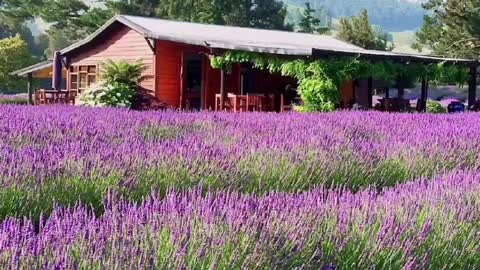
435	107
266	14
72	20
451	29
357	30
319	79
112	94
13	56
310	23
123	72
119	85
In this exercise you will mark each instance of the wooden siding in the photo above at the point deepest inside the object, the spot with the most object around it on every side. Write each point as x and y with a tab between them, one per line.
122	44
347	94
169	78
169	74
168	66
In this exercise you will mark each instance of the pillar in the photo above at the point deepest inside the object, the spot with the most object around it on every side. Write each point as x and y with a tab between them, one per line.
424	94
222	89
30	88
400	87
370	92
472	87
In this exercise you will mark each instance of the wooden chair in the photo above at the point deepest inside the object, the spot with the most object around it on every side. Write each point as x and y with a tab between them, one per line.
287	107
229	102
61	97
38	98
43	98
269	105
255	103
71	96
397	105
284	107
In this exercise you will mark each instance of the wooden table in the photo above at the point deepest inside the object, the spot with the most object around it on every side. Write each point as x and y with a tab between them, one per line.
395	104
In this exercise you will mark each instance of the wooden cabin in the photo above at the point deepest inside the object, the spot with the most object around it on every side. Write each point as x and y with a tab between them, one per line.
176	55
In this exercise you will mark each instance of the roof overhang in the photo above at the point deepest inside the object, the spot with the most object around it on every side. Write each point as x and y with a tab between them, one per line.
393	56
34	68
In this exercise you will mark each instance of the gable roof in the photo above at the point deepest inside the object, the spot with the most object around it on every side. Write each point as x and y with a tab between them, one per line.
225	37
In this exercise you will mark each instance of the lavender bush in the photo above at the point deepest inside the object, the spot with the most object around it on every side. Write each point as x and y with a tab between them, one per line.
64	154
18	99
399	228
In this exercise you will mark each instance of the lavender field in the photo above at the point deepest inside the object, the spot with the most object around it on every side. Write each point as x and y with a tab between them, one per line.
116	189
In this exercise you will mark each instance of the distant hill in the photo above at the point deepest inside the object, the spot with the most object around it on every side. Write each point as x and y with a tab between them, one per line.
391	15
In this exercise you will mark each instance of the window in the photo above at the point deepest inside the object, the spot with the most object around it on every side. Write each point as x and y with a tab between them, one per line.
81	77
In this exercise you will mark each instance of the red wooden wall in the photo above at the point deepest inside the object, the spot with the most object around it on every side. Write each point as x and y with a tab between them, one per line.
120	43
164	67
168	66
169	78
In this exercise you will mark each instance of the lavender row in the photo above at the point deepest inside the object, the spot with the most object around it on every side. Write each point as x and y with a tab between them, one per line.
63	154
418	225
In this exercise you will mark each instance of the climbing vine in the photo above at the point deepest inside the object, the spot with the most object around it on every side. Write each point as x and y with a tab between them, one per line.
319	79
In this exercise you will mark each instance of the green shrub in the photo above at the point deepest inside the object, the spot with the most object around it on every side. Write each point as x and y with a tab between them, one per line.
435	107
123	72
112	94
318	95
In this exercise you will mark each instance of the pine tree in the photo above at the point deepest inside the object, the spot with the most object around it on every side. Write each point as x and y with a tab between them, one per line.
451	29
310	23
358	30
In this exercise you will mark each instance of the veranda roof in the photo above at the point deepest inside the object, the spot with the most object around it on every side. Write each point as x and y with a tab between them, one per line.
244	39
36	67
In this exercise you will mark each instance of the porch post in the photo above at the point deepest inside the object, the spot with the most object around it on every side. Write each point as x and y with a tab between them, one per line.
222	89
472	87
424	94
370	92
30	88
401	90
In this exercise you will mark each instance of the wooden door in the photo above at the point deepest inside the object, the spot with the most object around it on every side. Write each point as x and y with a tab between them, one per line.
192	87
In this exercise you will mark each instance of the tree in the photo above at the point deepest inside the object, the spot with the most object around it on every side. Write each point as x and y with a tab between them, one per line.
451	29
72	20
10	29
265	14
310	23
13	56
69	19
357	30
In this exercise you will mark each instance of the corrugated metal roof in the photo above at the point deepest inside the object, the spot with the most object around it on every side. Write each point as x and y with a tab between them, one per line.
385	55
241	38
225	37
238	38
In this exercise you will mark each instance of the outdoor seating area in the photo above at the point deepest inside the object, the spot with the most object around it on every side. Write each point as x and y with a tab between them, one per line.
45	97
395	105
250	103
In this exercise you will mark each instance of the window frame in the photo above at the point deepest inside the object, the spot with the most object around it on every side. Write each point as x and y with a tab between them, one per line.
82	71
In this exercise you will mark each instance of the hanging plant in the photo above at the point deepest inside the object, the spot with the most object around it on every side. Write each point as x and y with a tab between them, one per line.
320	79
